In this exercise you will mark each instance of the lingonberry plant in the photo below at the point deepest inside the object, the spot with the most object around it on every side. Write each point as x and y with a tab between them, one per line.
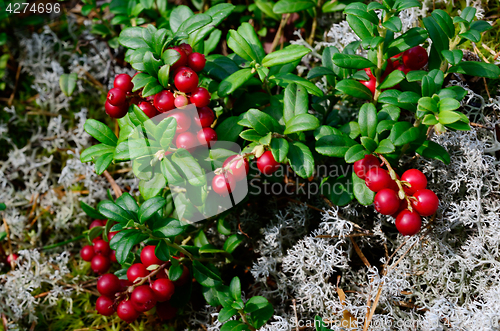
181	107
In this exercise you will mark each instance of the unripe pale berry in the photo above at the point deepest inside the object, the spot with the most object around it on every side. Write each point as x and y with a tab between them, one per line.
267	164
408	223
181	101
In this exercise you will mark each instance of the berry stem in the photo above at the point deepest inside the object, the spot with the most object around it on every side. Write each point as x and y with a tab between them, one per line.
401	193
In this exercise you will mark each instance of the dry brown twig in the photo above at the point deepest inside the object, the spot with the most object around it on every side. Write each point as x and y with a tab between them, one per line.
114	186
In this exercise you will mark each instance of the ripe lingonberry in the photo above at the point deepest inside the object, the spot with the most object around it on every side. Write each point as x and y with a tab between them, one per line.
148	109
240	172
207	136
87	253
361	167
403	204
182	61
97	223
184	278
101	247
181	101
378	179
116	111
124	82
108	285
165	311
415	58
401	67
148	256
267	164
186	48
223	184
408	222
104	306
164	101
161	274
116	96
386	201
126	311
426	202
143	298
163	289
112	234
186	80
112	257
100	264
416	179
200	97
124	284
135	271
186	140
371	82
205	117
183	120
12	257
197	61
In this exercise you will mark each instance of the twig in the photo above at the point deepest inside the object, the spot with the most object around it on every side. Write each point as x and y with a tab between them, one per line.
116	188
481	126
4	322
9	243
295	312
11	99
346	236
360	253
279	33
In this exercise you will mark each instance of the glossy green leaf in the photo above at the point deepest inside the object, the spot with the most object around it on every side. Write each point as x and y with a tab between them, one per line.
67	83
301	159
234	81
361	192
292	6
286	55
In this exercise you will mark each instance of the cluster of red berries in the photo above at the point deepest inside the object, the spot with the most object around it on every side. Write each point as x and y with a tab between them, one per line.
99	254
131	297
424	202
412	59
187	91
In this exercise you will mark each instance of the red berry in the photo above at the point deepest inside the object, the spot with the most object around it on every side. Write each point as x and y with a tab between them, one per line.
267	164
403	204
97	223
161	274
148	256
207	136
223	184
116	96
165	311
124	82
112	257
361	167
182	61
87	253
401	67
197	61
186	80
12	257
108	285
181	101
102	248
186	140
124	284
163	289
104	306
164	101
240	172
127	312
200	97
186	48
100	264
416	179
143	298
426	202
378	179
112	234
184	278
148	109
116	111
96	239
386	201
415	58
205	117
135	271
408	223
183	120
371	82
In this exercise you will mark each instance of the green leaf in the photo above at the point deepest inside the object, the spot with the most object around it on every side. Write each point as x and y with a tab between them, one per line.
302	122
354	88
284	79
240	46
251	135
334	145
193	23
286	55
248	33
453	57
150	207
478	69
260	309
226	313
267	8
91	212
128	203
124	241
351	61
448	117
178	15
295	101
132	38
233	242
367	120
151	64
162	251
234	81
279	149
403	133
218	13
112	211
229	129
385	147
392	79
433	150
301	159
355	153
481	26
291	6
176	270
141	79
468	14
361	27
152	187
369	144
235	288
415	75
67	83
360	10
234	326
210	295
439	38
163	75
165	131
167	228
361	192
338	190
394	24
409	39
205	276
448	104
103	162
189	167
318	72
95	151
262	122
150	89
